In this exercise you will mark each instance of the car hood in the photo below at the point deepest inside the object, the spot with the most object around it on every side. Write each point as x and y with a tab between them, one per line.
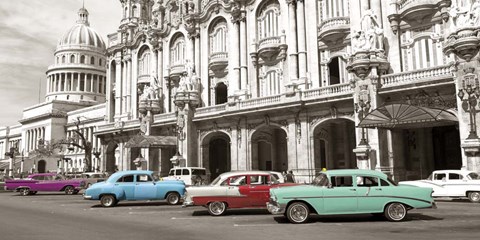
296	190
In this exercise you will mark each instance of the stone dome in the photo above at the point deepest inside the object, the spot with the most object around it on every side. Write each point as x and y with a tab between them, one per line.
81	35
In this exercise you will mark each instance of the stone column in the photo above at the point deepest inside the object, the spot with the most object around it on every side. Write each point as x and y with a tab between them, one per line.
243	53
128	102
234	55
302	48
118	86
292	46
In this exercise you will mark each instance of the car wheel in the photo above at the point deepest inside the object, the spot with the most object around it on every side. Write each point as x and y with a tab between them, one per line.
217	208
395	212
76	192
33	192
108	201
24	191
69	190
298	212
474	197
173	198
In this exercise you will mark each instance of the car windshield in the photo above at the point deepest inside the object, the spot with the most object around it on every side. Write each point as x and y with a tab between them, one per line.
274	179
321	180
430	177
473	176
392	182
215	181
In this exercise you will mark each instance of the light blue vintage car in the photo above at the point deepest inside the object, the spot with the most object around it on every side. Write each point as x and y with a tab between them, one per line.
135	185
349	192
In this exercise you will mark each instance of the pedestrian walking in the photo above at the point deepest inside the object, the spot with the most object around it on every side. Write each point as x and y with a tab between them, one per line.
290	178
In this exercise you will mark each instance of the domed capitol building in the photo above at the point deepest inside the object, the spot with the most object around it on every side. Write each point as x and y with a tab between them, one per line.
261	84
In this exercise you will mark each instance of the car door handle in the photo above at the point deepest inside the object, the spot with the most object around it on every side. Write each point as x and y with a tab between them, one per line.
379	189
252	187
353	189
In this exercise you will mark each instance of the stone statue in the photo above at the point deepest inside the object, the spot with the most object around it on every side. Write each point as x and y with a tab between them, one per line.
188	80
459	16
372	31
475	13
359	42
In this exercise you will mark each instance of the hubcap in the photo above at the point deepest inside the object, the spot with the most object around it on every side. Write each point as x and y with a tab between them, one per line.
298	213
173	199
475	196
217	207
107	201
396	211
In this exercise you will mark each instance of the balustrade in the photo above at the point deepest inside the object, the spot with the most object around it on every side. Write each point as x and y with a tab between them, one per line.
421	75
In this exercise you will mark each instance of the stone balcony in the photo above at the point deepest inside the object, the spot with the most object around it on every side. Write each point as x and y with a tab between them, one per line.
416	11
413	79
270	49
144	78
217	62
333	30
177	70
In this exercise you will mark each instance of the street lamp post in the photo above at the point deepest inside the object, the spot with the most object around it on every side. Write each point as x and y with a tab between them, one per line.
471	91
362	107
11	155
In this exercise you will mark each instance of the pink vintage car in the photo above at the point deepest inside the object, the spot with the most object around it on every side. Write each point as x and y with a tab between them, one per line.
45	182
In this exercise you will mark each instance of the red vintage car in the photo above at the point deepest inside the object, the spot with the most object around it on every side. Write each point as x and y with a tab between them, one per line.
243	189
50	182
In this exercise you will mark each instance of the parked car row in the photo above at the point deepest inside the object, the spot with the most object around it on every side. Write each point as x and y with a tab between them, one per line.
332	192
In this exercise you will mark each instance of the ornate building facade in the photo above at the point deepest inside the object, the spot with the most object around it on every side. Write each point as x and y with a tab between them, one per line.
290	85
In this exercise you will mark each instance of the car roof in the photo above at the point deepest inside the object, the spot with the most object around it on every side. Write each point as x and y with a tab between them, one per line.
355	172
41	174
453	171
235	173
117	175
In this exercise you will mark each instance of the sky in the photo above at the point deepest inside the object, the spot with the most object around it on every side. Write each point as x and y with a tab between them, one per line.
29	31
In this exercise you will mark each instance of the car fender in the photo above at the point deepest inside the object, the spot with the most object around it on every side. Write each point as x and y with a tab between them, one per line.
119	193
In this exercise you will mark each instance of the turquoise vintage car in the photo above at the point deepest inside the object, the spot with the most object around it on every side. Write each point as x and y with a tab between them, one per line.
135	185
349	192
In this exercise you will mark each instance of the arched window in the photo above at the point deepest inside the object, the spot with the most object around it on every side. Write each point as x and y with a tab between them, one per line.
82	59
328	9
421	47
218	38
144	63
270	83
268	21
135	11
100	62
177	51
92	60
221	93
337	71
72	59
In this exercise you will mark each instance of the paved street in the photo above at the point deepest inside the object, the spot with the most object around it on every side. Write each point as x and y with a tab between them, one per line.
55	216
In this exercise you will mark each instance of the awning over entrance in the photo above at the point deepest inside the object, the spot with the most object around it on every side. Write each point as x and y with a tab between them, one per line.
406	116
143	141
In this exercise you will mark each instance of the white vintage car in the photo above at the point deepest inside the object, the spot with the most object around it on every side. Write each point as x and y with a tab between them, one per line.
451	183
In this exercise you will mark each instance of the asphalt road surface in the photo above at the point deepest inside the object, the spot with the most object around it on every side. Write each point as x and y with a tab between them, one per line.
57	216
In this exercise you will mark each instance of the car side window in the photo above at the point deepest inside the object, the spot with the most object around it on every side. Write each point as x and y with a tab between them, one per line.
178	172
258	180
127	178
384	183
38	178
144	178
440	176
454	176
238	181
366	181
342	181
473	176
185	172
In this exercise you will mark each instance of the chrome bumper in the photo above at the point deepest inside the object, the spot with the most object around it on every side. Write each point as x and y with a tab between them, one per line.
275	208
86	197
187	204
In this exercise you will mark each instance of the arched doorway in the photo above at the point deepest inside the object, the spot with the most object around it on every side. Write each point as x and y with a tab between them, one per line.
42	166
269	149
110	166
216	154
334	141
